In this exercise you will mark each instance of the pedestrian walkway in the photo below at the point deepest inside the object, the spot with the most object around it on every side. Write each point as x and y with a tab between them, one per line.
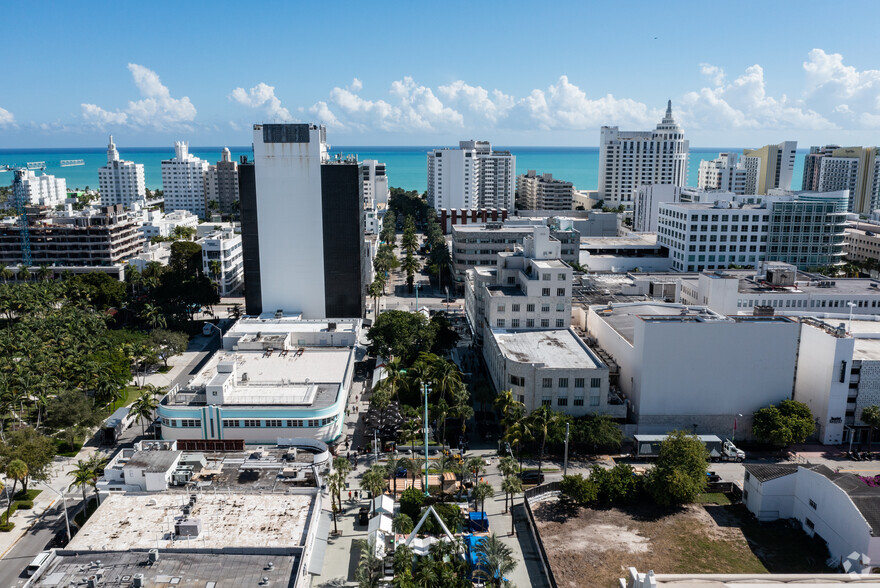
181	364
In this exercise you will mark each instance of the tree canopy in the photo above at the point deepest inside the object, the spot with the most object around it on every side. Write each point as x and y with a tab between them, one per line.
680	472
406	334
789	423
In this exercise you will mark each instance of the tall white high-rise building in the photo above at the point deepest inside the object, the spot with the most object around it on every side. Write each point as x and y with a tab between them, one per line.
301	225
375	180
183	181
471	177
120	182
629	159
725	173
221	184
856	169
42	190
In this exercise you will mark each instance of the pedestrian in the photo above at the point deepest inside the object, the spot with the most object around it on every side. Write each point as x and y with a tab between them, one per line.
349	495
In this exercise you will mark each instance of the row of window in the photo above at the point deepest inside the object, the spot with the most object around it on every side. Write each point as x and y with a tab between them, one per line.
576	401
530	323
182	423
562	382
560	307
276	423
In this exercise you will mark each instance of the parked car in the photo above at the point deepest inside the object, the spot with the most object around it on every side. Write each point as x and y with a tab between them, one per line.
400	473
531	477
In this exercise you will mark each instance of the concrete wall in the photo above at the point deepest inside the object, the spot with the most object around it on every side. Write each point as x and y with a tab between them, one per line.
769	500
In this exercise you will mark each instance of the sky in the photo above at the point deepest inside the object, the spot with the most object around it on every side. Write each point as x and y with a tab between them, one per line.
417	73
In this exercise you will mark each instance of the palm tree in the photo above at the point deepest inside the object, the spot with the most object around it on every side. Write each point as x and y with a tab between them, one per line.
377	288
97	463
418	466
402	524
411	429
510	486
441	411
517	434
403	560
481	492
543	419
334	485
871	417
144	407
5	273
410	265
82	477
216	269
392	466
446	377
17	471
393	377
495	558
342	467
507	465
374	482
370	567
153	316
45	272
24	272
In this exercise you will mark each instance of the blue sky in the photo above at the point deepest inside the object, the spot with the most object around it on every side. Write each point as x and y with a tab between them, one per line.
417	73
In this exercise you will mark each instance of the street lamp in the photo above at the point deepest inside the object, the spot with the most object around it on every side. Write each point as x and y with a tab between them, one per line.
63	505
416	286
425	390
851	305
733	437
219	330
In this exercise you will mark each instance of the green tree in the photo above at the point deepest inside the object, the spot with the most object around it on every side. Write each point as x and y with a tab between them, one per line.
167	344
400	334
616	486
402	524
98	288
183	233
411	501
542	419
82	478
370	571
599	431
34	449
186	258
375	483
871	417
679	475
579	489
495	559
144	407
789	423
511	485
17	471
153	316
482	491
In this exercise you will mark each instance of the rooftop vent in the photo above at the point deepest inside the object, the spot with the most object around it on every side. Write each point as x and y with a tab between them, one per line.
153	556
138	581
279	313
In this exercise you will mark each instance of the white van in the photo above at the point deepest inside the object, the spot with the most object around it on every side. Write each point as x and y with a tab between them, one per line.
38	562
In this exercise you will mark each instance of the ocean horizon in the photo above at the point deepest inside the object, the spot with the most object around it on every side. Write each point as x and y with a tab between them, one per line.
406	165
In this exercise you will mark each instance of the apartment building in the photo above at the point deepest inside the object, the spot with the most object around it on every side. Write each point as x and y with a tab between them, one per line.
120	181
38	190
803	229
221	185
629	159
223	247
769	167
856	169
183	181
528	287
542	192
104	236
478	245
471	177
862	243
646	205
302	225
813	166
156	223
726	173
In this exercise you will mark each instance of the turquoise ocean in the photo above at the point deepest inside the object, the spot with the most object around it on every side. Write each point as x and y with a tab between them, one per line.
406	165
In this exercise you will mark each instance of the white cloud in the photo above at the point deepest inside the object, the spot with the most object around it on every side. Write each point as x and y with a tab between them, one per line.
157	109
324	115
745	104
477	100
262	96
6	118
831	84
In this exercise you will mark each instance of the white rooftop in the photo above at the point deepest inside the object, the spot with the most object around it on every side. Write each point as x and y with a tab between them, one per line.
560	348
267	323
146	521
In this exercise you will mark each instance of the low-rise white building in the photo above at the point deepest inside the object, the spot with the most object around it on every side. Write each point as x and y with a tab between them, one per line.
691	368
838	508
39	190
148	467
275	378
224	247
159	224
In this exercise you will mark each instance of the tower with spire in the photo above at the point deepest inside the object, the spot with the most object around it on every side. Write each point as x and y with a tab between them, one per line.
120	181
630	159
221	184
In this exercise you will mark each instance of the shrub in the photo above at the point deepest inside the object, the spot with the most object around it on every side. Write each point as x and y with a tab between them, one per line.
411	501
580	489
25	504
6	527
450	514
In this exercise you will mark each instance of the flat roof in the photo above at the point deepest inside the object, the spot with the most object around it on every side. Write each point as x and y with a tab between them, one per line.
865	333
153	461
267	323
560	348
641	240
550	263
181	568
146	521
623	318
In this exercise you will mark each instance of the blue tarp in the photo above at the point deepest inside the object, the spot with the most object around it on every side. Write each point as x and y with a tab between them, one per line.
478	522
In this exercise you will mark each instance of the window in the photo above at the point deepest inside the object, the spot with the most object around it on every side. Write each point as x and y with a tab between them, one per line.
229	423
812	504
810	524
578	401
314	422
514	307
522	398
545	401
514	323
595	382
563	382
746	494
500	308
530	308
517	380
561	277
545	308
561	401
530	323
594	401
499	323
273	423
294	423
560	291
251	423
545	323
546	382
545	277
545	291
560	323
560	307
578	382
190	423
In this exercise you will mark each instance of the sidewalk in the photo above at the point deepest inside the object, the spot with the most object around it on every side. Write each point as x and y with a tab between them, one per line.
180	364
59	480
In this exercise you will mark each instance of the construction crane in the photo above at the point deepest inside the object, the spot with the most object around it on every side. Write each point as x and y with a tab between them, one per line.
21	203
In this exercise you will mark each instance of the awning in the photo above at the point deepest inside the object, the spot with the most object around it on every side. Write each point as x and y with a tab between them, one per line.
316	562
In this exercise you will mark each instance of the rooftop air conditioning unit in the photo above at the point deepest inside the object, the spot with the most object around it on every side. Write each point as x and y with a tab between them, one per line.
138	581
153	556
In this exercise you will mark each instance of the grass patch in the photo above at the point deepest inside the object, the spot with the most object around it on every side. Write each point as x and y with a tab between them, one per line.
82	516
4	518
718	498
6	527
65	449
29	495
163	369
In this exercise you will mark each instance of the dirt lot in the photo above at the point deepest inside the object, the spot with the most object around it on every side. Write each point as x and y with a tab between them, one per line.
600	544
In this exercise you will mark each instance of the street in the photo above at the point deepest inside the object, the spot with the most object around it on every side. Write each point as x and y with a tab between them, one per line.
34	541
